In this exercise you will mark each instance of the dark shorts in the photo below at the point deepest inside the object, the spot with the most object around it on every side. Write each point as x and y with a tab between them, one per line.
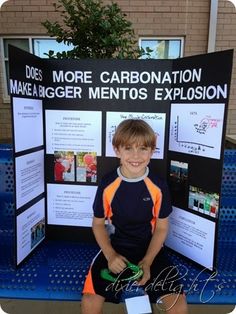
164	278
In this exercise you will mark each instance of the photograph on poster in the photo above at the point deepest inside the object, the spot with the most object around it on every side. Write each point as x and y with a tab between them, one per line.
70	205
155	120
192	236
73	130
29	177
86	167
204	202
178	183
196	129
37	233
28	123
64	166
26	224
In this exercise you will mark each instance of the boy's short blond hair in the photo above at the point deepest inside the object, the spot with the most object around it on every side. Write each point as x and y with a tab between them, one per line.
134	131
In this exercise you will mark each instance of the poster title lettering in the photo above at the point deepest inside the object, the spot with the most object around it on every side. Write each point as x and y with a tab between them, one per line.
119	85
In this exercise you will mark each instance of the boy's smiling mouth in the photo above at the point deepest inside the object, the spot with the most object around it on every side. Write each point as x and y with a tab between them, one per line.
135	164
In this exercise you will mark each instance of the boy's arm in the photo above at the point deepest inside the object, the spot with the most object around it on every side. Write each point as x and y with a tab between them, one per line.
116	262
158	238
102	237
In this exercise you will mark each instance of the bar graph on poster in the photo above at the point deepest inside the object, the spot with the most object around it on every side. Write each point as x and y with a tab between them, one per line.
196	129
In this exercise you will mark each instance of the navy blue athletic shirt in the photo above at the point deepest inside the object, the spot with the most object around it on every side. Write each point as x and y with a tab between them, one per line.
132	206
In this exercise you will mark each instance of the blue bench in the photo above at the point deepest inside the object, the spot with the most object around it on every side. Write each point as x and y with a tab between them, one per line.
57	270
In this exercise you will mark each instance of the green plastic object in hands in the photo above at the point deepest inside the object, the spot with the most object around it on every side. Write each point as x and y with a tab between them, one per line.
136	273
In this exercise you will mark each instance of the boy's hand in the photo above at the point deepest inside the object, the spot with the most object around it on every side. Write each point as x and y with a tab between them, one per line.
146	272
117	263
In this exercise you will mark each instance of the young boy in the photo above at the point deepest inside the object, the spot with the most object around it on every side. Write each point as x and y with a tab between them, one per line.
59	168
137	204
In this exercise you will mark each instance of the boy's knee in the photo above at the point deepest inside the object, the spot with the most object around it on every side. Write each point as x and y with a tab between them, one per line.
87	299
180	307
92	302
173	304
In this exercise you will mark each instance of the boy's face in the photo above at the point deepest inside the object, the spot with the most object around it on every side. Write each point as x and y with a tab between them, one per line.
134	159
59	159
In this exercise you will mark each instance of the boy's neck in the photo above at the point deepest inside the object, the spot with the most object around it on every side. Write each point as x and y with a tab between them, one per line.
133	179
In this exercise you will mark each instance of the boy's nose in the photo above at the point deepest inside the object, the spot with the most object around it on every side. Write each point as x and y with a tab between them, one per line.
135	152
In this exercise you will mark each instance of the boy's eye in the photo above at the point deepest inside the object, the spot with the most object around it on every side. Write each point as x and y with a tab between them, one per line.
127	147
144	148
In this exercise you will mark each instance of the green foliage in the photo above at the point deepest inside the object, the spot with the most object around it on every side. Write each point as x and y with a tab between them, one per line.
94	30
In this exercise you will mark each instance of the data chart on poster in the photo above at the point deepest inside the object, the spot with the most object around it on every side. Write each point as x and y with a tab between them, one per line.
196	129
155	120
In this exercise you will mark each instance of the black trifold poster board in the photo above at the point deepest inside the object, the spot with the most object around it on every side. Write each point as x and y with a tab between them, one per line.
65	113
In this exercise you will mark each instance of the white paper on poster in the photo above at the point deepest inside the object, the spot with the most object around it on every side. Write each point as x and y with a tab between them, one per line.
155	120
192	236
138	305
196	129
72	130
29	177
70	205
28	123
30	229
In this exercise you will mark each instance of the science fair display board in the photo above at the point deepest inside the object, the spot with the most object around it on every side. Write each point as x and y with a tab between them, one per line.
65	113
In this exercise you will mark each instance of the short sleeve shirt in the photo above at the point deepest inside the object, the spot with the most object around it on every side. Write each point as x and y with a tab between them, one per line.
132	206
58	171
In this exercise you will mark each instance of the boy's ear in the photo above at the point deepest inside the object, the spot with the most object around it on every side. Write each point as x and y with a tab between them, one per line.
116	150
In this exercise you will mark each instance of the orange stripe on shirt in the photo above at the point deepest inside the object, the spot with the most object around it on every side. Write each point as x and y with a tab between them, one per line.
156	196
88	285
108	195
